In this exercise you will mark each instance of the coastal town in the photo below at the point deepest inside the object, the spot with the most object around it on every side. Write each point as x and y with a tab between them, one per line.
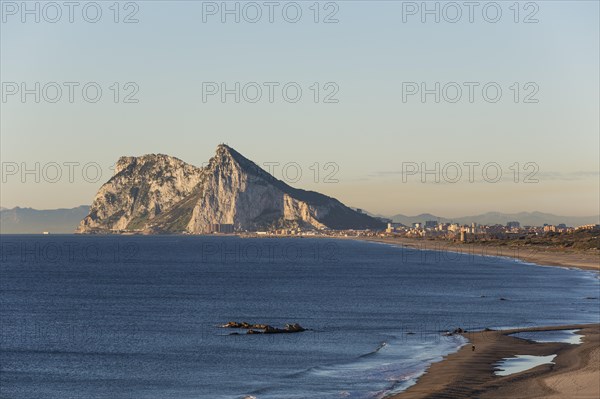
432	229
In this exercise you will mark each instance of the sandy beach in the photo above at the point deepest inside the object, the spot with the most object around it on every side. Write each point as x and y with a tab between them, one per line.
540	256
470	374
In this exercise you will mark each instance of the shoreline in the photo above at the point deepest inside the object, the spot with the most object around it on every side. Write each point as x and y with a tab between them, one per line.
468	374
547	257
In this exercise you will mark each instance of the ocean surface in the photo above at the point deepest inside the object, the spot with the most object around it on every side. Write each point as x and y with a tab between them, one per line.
138	317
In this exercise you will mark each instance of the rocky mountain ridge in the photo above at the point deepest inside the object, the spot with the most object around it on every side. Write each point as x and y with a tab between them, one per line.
156	194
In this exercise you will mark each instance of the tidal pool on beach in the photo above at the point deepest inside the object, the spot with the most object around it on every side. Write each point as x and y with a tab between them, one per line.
519	363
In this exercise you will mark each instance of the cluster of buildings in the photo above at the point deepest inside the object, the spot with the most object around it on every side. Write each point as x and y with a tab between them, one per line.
474	231
429	229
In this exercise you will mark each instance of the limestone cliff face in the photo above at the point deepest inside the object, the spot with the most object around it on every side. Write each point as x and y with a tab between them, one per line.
237	191
140	189
160	194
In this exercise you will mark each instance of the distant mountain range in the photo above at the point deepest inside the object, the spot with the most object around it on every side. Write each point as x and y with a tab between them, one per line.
33	221
491	218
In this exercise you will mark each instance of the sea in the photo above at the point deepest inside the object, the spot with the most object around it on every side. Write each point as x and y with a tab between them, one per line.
140	316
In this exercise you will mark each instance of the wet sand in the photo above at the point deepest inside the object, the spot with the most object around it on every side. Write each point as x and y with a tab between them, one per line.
540	256
470	374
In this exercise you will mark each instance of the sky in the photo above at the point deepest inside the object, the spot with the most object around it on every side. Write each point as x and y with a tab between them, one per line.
377	103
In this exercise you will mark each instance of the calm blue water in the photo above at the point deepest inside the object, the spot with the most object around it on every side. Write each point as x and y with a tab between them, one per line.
136	317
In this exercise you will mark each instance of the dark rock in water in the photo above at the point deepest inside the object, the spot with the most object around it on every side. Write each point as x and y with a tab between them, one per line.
243	324
271	330
294	327
289	328
266	329
232	324
488	329
410	333
451	333
503	299
590	297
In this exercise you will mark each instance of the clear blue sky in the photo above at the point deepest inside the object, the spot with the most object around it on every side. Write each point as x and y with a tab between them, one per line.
369	133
